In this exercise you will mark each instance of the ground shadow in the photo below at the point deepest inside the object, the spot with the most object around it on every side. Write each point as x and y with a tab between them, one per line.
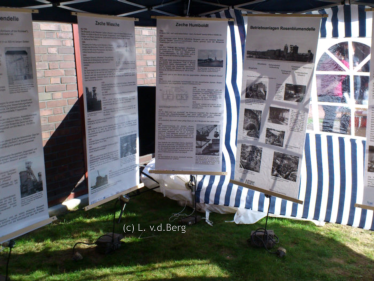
201	253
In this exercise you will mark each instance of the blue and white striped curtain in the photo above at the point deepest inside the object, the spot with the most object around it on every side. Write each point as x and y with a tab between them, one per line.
332	169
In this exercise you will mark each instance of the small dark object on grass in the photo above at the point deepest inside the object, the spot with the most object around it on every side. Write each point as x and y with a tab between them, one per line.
77	257
281	252
108	243
190	220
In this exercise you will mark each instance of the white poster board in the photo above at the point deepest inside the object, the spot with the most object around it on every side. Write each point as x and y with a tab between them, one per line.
23	190
190	94
110	104
368	198
278	67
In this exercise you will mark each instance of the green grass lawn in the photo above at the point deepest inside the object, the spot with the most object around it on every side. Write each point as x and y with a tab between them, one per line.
221	252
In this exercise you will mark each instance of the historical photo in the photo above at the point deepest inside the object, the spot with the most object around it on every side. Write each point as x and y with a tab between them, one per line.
252	123
274	137
18	64
93	98
127	145
285	166
294	92
371	159
279	115
256	89
250	157
101	179
207	139
287	52
210	58
29	182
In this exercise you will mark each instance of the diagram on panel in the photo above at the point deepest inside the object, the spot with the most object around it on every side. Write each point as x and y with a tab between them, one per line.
177	94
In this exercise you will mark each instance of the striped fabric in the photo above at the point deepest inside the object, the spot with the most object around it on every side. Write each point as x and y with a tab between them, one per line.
332	169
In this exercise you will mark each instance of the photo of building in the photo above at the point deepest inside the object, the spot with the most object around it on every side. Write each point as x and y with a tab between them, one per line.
128	145
100	180
18	63
210	58
252	123
93	101
29	183
256	90
207	139
294	93
274	137
285	166
288	53
371	159
279	115
250	157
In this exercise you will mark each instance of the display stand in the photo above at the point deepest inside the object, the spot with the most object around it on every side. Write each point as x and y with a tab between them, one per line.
192	184
262	237
27	229
89	207
267	192
364	207
111	241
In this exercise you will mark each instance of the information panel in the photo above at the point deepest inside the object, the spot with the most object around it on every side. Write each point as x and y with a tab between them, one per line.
23	195
278	67
111	111
368	199
190	105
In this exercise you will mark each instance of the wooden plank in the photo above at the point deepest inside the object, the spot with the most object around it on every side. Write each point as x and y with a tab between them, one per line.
172	172
369	9
27	229
364	207
288	15
89	207
78	66
268	192
33	11
103	16
190	18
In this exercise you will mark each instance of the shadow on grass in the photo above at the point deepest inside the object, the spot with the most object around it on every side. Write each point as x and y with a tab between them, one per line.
201	253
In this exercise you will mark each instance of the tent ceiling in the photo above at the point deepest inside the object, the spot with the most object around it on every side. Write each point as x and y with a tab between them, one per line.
60	10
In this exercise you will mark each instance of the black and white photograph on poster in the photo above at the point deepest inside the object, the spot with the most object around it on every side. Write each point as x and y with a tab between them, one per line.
252	123
93	98
285	166
294	92
210	58
371	159
128	145
279	115
207	139
250	157
274	137
30	182
284	52
98	178
18	64
256	89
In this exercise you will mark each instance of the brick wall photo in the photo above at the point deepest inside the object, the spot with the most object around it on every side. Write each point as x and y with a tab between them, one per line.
59	109
60	104
145	43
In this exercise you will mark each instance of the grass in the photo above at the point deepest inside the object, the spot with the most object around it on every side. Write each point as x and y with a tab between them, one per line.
221	252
